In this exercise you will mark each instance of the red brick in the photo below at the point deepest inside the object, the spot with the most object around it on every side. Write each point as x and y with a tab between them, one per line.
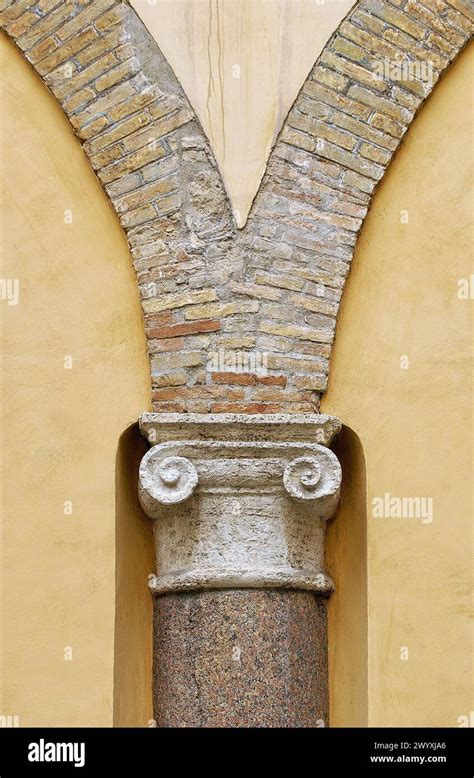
167	407
315	349
157	319
189	328
304	407
165	344
245	408
198	407
272	395
272	380
201	392
244	379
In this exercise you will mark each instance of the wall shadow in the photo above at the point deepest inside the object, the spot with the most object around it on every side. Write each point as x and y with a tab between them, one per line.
346	562
134	560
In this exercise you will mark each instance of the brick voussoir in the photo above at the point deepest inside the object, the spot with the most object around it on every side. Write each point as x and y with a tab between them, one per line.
160	128
12	11
463	7
388	13
132	162
356	73
459	21
335	99
146	194
109	137
46	25
381	104
65	85
363	131
377	45
103	44
434	22
44	65
21	24
89	14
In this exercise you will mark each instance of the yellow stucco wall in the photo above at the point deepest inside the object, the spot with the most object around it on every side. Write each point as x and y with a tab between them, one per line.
67	434
414	424
60	428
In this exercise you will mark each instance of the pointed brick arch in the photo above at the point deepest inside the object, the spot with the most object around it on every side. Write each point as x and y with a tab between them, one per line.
272	290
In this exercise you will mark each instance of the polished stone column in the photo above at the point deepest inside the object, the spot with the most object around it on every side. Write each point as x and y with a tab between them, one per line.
240	506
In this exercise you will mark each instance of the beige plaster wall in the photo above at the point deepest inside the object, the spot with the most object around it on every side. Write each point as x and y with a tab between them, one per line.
241	64
60	428
414	424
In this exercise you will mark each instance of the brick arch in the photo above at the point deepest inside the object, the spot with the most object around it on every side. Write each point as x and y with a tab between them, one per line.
212	293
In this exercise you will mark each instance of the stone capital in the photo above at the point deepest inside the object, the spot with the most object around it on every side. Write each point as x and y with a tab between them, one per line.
239	501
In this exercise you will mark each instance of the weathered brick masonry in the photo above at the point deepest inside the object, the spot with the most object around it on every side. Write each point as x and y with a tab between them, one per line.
274	287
